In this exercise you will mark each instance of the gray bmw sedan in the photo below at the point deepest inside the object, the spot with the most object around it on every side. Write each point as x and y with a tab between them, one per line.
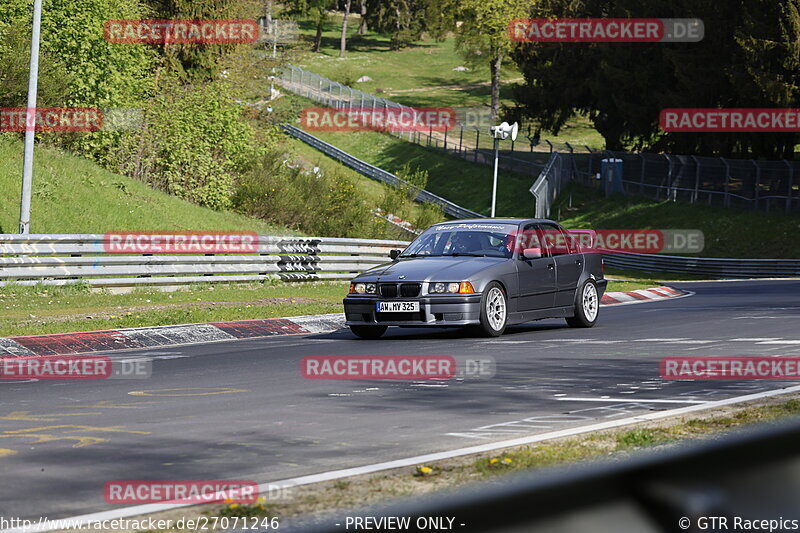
482	273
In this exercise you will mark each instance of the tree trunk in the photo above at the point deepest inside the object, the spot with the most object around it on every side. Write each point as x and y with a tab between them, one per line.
494	67
318	36
343	45
362	26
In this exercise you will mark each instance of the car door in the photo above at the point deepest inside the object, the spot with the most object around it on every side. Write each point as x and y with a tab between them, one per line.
536	277
569	263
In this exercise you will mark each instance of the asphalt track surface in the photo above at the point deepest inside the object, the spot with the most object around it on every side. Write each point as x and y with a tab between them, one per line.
242	410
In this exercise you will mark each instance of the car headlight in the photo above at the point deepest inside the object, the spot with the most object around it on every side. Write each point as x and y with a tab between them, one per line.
363	288
449	288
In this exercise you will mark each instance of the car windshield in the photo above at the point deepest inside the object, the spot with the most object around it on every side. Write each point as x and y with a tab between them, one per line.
479	240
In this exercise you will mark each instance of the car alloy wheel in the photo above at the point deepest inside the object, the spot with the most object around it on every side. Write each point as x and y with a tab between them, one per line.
587	306
589	302
494	311
496	308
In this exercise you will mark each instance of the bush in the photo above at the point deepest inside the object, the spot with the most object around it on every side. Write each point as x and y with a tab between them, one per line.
193	143
399	201
315	203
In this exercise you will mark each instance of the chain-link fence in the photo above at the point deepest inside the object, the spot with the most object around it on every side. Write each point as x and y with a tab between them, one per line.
739	183
757	185
527	155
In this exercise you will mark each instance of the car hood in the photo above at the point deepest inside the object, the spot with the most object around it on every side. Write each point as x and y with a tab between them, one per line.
431	269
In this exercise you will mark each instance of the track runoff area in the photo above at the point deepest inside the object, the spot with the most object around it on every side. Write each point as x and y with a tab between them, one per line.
243	410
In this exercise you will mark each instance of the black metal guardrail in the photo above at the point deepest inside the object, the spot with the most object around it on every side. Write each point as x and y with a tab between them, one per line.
378	174
711	267
750	475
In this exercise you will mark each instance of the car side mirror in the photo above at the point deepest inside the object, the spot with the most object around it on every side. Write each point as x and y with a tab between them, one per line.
532	253
393	254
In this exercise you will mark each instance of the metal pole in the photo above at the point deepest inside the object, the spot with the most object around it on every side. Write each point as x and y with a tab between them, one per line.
696	180
494	185
30	122
757	184
791	184
641	179
727	200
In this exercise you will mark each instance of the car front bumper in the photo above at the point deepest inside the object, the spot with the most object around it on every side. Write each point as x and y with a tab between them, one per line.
435	311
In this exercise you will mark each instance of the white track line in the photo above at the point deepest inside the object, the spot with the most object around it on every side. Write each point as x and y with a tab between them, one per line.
427	458
628	400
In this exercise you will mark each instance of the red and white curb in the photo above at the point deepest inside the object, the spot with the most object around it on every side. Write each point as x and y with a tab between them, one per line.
642	295
160	336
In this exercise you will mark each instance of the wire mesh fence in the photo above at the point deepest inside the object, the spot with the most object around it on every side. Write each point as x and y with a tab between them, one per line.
734	183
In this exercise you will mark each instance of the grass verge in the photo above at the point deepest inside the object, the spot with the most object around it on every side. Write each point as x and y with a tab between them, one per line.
36	310
385	487
74	195
728	232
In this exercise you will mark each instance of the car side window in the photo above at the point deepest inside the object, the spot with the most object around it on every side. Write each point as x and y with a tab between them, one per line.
556	240
531	237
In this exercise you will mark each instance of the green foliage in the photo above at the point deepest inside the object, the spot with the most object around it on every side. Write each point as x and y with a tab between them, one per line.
79	67
404	20
193	143
316	203
750	57
399	201
201	61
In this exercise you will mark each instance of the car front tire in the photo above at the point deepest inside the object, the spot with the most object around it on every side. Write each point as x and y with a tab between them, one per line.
587	306
368	332
494	311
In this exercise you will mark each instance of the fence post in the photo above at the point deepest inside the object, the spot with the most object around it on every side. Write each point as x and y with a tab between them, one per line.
460	138
477	143
696	180
445	138
757	184
727	201
791	184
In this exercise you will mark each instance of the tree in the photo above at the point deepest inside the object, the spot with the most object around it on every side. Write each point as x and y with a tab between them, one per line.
481	28
343	44
403	19
317	11
362	25
750	57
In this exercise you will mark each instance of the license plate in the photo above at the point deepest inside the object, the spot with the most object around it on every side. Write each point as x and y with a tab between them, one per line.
397	307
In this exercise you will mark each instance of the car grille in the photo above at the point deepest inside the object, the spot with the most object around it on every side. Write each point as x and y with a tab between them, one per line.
405	290
388	290
410	289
